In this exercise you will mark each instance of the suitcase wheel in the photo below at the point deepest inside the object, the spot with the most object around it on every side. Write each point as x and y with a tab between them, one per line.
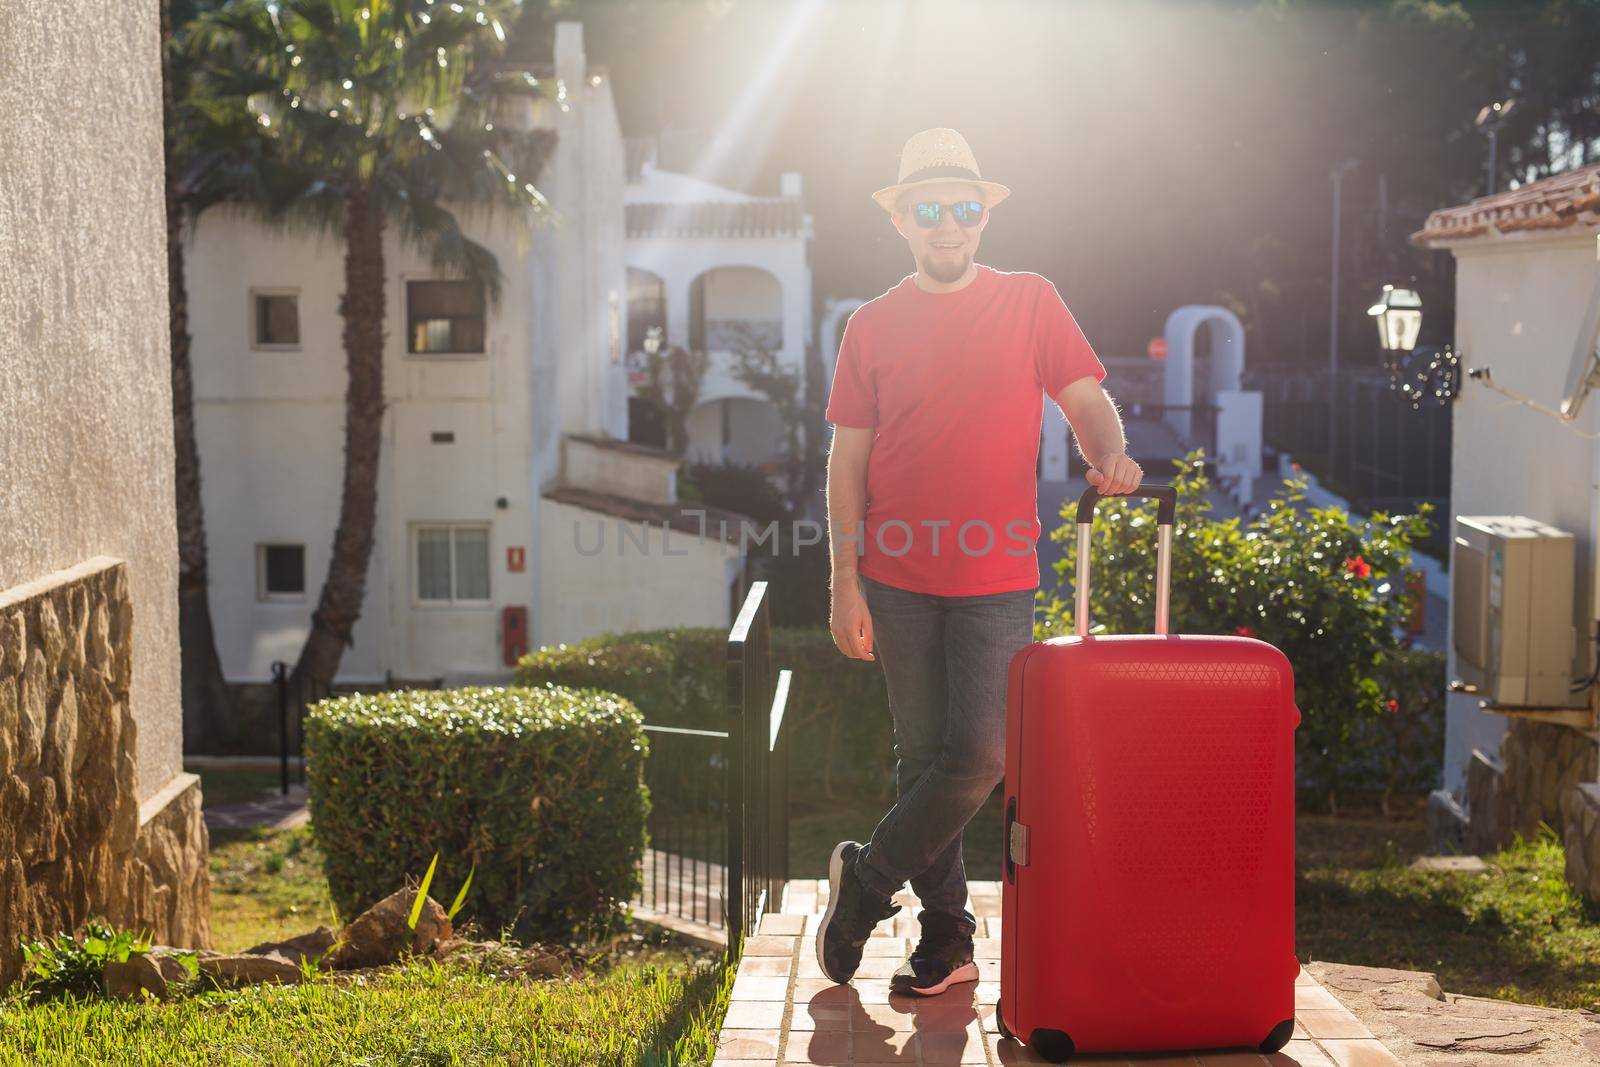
1056	1046
1000	1022
1279	1037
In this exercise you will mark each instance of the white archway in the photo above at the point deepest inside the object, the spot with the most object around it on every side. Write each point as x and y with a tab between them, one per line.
1226	334
831	333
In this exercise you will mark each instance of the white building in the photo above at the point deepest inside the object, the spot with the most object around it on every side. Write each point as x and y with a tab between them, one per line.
1526	276
716	269
505	454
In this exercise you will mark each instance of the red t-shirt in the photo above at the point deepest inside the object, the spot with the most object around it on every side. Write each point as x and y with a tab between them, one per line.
954	384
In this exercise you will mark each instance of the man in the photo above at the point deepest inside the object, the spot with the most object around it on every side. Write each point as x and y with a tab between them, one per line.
937	403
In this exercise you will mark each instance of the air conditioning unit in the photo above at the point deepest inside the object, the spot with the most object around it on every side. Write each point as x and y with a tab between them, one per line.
1513	580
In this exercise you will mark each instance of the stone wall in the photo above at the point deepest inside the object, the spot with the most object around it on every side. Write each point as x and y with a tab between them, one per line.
74	839
1487	809
1581	838
1543	764
1545	774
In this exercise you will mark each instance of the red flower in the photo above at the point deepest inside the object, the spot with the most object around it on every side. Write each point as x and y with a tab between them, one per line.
1244	631
1295	467
1357	566
1393	706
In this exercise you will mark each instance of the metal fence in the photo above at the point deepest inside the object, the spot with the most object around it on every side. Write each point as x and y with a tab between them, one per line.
686	863
1369	445
719	799
758	823
294	696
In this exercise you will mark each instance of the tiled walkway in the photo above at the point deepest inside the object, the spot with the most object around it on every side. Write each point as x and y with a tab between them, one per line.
785	1012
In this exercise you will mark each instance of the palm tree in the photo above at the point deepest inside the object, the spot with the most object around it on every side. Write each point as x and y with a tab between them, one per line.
206	699
359	113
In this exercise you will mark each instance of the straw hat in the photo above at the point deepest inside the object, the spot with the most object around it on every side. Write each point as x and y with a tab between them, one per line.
938	155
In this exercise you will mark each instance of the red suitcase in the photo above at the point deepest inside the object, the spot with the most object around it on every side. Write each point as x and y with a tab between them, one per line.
1148	901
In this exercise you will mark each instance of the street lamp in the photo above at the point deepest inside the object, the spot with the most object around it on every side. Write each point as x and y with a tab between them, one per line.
1491	117
1398	314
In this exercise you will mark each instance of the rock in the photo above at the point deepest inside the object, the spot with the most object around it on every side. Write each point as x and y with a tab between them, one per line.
172	968
310	946
1453	864
1451	1034
1353	979
1591	1043
1485	1008
129	979
250	969
379	935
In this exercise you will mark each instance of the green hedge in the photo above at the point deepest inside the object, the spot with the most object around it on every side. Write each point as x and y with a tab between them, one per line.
838	708
542	788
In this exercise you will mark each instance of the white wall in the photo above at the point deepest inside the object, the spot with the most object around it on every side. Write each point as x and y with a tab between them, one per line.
595	579
1518	308
270	425
86	462
271	429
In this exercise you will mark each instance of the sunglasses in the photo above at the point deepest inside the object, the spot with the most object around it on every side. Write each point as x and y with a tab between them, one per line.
929	214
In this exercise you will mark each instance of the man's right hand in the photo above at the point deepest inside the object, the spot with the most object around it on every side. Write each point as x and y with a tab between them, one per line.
850	620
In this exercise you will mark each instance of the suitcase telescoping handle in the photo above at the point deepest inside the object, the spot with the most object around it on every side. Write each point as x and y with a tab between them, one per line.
1167	496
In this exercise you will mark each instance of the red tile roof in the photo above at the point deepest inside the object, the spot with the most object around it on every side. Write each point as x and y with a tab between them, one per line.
774	217
1561	200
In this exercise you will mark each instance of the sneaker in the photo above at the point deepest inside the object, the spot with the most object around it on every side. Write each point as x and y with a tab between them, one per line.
941	959
853	910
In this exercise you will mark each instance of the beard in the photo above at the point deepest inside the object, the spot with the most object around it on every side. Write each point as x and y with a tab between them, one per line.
946	272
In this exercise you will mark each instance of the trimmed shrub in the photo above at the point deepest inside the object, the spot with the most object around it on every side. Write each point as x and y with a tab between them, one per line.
838	708
541	787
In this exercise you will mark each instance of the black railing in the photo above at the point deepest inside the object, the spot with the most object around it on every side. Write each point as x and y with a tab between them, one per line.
686	864
718	854
293	698
758	772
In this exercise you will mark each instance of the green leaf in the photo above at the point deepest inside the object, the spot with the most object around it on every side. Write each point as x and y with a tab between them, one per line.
461	896
422	892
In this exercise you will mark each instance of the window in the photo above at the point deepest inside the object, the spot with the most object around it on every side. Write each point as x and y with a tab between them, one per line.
276	319
452	563
280	572
444	316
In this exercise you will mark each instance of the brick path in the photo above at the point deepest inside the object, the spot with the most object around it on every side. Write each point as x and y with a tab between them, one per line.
785	1012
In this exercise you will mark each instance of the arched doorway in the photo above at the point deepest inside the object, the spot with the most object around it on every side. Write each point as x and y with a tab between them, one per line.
1223	356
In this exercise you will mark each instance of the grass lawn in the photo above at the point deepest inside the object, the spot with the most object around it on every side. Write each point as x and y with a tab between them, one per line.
221	785
266	885
663	1010
1518	932
644	1000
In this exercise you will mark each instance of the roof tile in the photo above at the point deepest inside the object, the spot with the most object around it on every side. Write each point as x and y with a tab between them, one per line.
1561	200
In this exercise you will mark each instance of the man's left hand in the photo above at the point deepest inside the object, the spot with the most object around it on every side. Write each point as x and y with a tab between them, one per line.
1115	474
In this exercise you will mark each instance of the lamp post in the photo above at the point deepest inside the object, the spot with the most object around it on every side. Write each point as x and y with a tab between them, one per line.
1337	174
1419	373
1398	316
1491	117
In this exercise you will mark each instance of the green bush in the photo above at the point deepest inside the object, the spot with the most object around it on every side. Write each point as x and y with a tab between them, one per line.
838	708
540	788
1325	587
1409	735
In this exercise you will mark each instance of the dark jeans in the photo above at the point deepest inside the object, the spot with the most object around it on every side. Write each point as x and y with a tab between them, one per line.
945	659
